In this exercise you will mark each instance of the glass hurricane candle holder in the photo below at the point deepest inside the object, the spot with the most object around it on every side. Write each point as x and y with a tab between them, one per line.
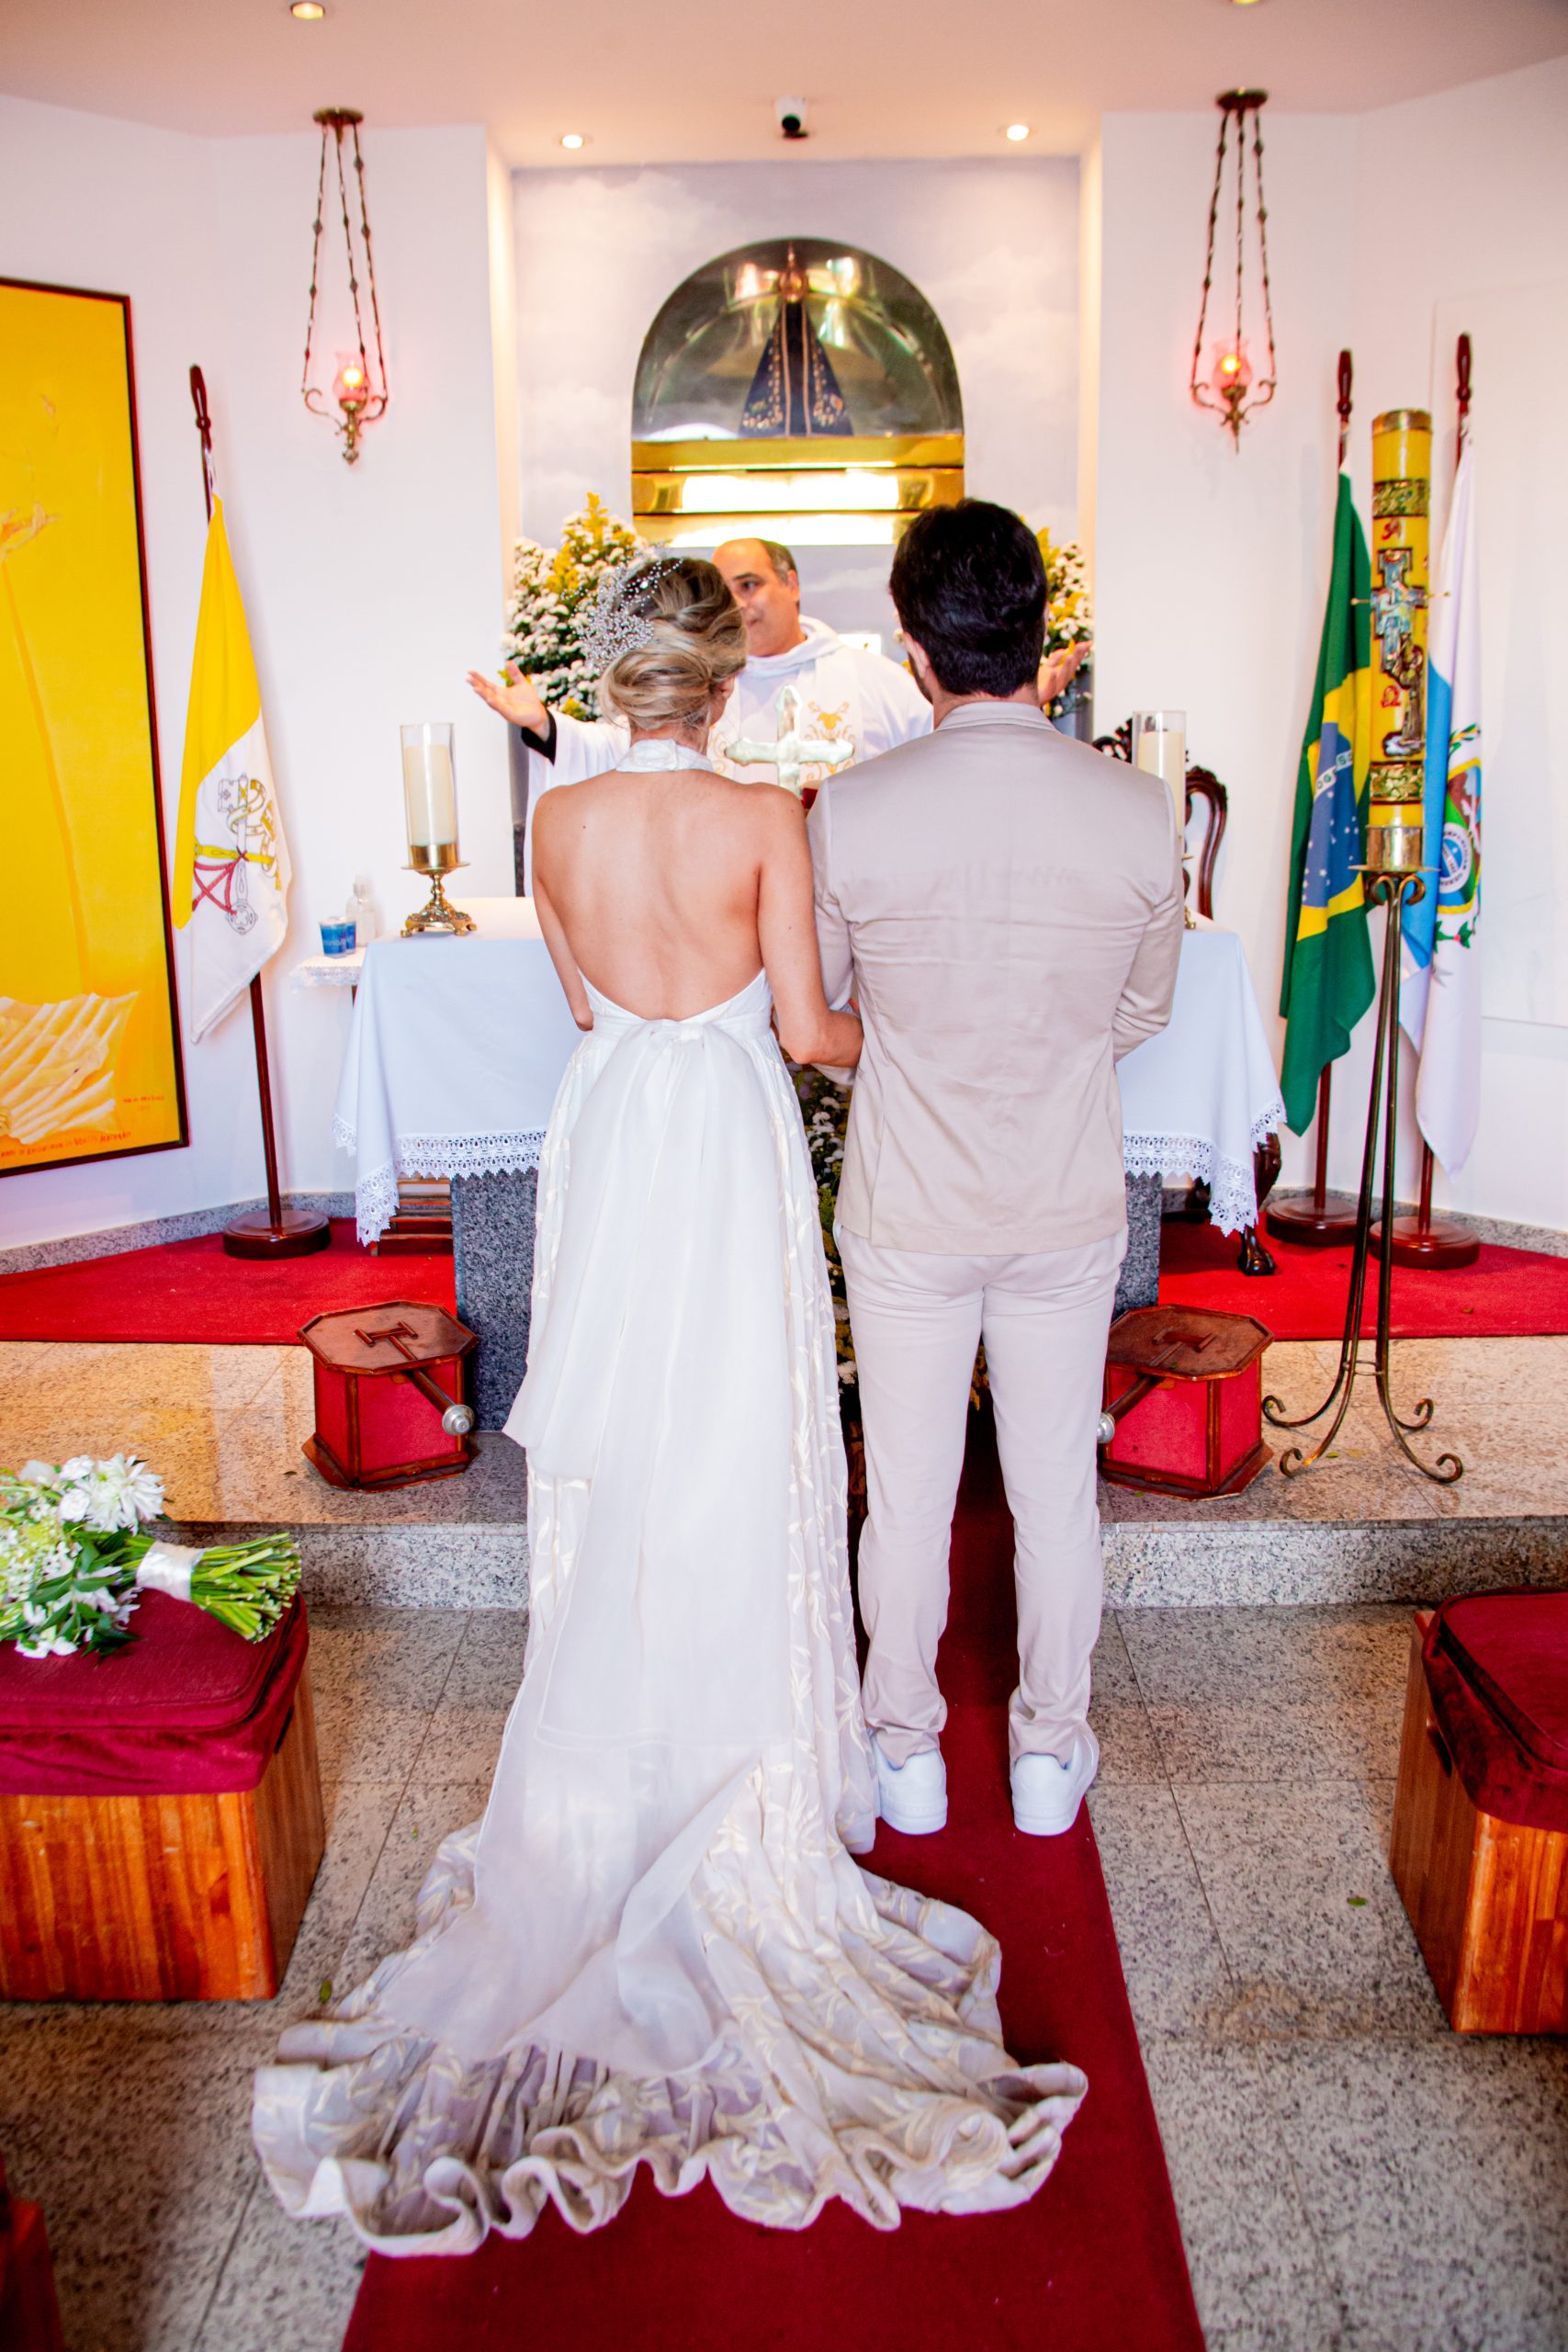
430	811
1160	745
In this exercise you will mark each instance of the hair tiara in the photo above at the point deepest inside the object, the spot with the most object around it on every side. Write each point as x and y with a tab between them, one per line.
616	624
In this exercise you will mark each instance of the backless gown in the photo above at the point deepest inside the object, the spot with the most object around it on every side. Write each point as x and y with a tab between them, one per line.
657	1946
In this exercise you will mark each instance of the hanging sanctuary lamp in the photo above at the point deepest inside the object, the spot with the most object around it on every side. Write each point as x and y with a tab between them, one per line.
1227	381
359	389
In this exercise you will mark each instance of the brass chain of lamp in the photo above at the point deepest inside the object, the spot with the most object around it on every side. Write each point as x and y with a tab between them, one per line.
360	400
1231	400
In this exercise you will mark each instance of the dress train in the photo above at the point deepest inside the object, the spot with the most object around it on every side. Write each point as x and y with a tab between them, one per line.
657	1946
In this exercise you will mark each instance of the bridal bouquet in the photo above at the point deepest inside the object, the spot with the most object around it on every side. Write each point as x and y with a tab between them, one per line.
72	1560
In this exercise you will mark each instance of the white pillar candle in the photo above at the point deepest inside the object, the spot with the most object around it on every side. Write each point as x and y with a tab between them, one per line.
1160	745
430	794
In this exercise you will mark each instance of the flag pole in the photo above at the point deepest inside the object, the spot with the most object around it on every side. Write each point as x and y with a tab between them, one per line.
1311	1221
1442	1242
280	1233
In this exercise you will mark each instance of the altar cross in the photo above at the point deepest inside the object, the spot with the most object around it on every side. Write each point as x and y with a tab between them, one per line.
794	751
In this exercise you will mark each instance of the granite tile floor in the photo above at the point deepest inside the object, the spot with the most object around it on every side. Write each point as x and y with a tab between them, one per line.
226	1424
1350	2176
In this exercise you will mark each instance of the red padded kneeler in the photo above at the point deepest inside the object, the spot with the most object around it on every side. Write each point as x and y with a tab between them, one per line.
1497	1667
1479	1845
161	1818
187	1705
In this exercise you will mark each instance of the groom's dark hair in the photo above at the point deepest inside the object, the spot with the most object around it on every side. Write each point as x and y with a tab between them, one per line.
969	585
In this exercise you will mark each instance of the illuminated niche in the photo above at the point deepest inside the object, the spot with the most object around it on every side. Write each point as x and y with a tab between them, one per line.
793	389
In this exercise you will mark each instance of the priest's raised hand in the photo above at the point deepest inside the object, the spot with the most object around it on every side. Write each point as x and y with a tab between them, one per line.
512	699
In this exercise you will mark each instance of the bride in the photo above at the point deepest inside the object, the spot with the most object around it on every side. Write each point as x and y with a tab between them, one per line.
656	1948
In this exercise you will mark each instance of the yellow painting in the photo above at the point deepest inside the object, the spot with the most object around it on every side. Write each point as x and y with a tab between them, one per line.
89	1044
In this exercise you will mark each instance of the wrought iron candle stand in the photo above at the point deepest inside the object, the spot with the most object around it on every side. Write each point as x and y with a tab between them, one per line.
1391	889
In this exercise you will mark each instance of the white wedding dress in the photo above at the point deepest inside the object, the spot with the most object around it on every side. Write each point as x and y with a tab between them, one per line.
656	1947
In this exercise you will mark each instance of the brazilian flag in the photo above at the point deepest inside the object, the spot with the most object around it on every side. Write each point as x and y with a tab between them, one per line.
1329	981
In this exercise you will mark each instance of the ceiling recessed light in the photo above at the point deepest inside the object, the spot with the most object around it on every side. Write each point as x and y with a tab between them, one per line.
572	139
1016	131
308	12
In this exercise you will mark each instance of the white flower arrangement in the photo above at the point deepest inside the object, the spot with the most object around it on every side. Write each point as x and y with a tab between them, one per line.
72	1560
1069	616
554	593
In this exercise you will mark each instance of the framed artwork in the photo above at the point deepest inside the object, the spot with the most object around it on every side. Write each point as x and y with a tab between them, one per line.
90	1064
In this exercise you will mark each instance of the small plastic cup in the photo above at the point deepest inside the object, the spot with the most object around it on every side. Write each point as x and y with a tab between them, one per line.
337	938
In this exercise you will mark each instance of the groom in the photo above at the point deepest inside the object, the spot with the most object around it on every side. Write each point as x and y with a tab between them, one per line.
1006	907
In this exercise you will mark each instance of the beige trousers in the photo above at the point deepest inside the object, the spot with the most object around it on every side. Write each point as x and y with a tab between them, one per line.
916	1321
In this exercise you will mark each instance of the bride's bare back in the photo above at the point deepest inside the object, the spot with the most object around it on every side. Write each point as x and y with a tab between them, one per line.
671	888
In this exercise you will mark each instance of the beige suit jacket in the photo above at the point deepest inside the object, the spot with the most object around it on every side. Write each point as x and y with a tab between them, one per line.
1007	906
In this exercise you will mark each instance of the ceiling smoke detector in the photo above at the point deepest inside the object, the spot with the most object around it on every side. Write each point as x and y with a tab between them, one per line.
791	113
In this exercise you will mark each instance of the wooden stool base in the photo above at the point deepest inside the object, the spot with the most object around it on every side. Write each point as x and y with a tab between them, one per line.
183	1897
1488	1900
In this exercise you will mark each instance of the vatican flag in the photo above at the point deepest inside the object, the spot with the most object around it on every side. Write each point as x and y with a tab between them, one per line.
1440	992
230	861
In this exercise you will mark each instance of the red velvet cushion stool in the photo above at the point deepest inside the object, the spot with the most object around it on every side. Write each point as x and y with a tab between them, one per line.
161	1817
1479	1849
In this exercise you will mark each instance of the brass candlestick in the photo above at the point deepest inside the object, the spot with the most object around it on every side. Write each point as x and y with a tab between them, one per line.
437	915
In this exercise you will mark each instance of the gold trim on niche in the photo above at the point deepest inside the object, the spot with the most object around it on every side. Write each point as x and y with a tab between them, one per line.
823	453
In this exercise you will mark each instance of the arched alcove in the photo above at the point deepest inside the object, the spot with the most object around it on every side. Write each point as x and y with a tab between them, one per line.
797	388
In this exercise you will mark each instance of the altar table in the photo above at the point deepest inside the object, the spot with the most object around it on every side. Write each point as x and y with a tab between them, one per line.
1199	1099
457	1046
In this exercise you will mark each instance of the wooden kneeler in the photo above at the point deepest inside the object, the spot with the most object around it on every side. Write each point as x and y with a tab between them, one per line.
1183	1401
1487	1897
187	1879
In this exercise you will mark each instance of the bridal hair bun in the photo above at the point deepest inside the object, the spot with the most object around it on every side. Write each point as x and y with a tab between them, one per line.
666	633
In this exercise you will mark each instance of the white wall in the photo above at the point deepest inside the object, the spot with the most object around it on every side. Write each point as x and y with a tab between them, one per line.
369	590
1486	251
992	245
1211	566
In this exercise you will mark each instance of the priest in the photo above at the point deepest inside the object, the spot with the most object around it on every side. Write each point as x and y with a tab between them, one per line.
806	705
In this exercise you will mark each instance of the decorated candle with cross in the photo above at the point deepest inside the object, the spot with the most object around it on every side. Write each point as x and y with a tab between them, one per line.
1401	477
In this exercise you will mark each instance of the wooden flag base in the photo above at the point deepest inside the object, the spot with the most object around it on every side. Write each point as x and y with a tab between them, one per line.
1317	1222
294	1234
1324	1220
1439	1242
1442	1243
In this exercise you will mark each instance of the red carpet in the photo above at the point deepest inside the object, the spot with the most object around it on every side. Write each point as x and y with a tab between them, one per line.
193	1291
1507	1294
1092	2264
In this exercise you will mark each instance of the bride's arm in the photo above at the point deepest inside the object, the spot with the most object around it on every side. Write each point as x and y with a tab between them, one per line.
561	955
786	928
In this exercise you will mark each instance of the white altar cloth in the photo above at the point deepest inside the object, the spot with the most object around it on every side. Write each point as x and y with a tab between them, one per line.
1198	1098
457	1046
454	1053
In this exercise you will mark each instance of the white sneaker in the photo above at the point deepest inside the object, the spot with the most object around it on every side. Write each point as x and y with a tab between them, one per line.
913	1796
1047	1794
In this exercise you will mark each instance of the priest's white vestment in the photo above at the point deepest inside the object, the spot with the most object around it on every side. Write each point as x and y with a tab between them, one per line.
846	695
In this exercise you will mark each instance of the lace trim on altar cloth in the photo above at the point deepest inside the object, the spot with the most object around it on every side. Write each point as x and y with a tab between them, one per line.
1233	1191
452	1157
